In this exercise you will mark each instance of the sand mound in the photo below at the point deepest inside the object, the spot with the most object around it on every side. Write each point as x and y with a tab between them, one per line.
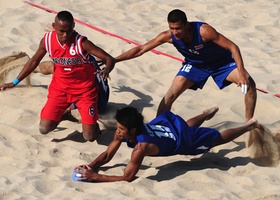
10	62
264	146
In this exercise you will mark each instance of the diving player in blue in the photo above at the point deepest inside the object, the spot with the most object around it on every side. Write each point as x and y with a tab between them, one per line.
207	53
166	135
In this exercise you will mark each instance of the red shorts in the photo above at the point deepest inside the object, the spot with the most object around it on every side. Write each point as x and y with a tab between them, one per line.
58	101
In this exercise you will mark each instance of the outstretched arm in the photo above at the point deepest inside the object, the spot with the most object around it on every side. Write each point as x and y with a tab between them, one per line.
139	152
107	155
163	37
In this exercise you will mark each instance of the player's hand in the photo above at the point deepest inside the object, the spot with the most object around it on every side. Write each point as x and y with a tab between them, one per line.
104	74
243	83
6	85
85	173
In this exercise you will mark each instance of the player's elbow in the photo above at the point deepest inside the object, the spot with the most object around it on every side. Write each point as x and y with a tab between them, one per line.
129	179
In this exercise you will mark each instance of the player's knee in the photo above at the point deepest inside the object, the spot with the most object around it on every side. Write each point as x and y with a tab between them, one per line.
252	83
169	99
87	137
47	126
90	136
43	130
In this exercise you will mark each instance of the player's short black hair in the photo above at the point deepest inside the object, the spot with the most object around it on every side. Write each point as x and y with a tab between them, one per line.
177	15
65	16
130	118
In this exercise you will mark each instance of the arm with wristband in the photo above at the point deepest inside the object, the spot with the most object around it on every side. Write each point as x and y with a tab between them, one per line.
16	81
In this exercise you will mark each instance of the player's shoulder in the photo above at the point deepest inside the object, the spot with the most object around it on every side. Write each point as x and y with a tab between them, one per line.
166	33
164	36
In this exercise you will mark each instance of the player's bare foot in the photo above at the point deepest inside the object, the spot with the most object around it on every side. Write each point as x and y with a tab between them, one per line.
46	67
210	112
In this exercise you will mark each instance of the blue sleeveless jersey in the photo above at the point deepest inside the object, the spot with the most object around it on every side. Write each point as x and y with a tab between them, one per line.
173	136
201	54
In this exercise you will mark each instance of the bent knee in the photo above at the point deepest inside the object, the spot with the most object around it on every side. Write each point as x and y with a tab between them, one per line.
47	126
91	131
252	83
170	98
90	137
43	130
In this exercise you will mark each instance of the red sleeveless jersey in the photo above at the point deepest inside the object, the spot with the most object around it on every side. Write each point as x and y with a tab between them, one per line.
73	71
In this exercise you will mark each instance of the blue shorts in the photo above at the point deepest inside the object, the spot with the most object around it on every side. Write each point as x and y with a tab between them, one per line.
202	139
200	75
